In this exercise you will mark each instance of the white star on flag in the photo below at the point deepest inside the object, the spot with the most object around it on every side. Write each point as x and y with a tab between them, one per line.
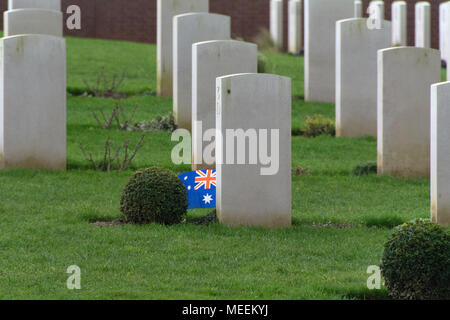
207	199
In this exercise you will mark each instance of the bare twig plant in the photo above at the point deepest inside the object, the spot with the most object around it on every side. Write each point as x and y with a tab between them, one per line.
114	160
105	87
118	115
105	123
123	121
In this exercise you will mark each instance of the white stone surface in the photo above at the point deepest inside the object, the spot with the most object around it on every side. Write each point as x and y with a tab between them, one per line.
358	9
379	5
244	195
210	60
405	75
276	22
423	25
33	104
166	10
440	153
444	15
320	50
188	29
399	23
35	4
356	76
33	21
295	44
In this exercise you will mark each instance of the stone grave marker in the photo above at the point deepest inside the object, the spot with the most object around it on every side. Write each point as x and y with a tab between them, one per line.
191	28
210	60
166	10
405	75
33	104
253	117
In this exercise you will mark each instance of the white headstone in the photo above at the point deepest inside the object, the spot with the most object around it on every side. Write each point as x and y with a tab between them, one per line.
295	44
358	9
440	153
444	15
276	22
399	23
405	75
210	60
378	7
33	104
188	29
252	189
320	47
35	4
356	76
166	10
423	36
33	21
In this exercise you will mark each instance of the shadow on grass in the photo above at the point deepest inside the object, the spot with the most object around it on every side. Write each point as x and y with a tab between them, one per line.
85	92
366	294
365	169
388	221
86	166
298	98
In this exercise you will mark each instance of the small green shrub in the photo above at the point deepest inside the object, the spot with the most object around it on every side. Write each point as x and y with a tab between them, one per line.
154	195
263	63
317	125
416	262
264	40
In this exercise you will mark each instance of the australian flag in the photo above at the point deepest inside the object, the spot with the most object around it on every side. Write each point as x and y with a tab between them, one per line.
201	188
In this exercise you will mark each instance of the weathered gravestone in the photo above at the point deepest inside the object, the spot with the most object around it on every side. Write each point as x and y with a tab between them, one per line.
440	153
33	104
358	9
320	33
295	27
444	33
376	8
254	189
444	14
33	21
210	60
422	35
399	23
35	4
405	75
191	28
356	76
166	10
276	22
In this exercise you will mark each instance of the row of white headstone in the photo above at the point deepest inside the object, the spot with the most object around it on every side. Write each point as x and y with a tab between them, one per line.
320	22
295	44
393	93
170	8
33	86
216	86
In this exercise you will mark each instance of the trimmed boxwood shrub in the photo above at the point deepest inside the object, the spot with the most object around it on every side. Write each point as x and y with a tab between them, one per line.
416	262
154	195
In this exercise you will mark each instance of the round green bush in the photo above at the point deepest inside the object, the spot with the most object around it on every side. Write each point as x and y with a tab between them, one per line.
154	195
416	262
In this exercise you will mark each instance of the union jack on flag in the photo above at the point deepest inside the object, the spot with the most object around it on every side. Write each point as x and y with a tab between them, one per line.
200	187
205	179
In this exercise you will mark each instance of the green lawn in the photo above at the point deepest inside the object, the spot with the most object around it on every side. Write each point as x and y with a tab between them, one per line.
47	217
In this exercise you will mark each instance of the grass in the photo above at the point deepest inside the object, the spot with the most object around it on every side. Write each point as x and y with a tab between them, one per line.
46	216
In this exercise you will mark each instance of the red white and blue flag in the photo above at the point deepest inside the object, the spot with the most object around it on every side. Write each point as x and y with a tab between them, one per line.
201	188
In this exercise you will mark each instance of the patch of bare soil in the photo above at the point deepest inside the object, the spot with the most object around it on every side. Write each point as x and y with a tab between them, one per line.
114	223
340	225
